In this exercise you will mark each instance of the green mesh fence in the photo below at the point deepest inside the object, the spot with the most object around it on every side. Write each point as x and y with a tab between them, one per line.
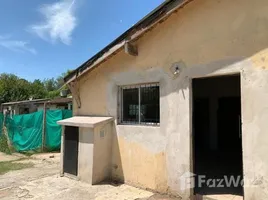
53	130
1	123
25	131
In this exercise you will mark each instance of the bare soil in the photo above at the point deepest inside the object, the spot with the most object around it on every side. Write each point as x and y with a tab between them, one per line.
42	182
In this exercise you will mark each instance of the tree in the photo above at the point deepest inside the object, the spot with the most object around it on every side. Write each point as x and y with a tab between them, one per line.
60	79
57	85
53	94
12	88
22	90
50	84
51	87
38	90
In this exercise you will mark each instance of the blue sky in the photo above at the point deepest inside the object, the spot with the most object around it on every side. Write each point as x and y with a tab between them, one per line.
43	38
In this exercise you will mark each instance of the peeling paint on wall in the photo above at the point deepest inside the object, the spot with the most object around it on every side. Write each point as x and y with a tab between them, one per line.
212	38
260	60
140	167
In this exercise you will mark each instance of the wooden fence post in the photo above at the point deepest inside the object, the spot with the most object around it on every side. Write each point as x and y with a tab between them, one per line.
44	127
62	151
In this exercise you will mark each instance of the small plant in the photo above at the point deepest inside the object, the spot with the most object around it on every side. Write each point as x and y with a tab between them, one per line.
13	165
4	144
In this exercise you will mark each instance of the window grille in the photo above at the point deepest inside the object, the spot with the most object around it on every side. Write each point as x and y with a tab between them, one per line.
139	104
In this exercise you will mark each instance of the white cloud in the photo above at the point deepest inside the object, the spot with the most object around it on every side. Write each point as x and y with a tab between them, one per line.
59	21
16	45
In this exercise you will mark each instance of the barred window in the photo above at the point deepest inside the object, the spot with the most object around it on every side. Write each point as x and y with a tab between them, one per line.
139	104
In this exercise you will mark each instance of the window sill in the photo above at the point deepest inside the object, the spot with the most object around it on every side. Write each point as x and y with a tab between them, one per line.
139	125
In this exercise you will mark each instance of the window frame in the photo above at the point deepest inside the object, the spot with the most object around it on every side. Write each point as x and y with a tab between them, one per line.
120	104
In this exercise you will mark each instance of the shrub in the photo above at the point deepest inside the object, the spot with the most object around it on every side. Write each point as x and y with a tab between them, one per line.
4	144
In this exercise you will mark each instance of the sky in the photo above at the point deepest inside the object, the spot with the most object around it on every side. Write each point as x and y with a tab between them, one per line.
43	38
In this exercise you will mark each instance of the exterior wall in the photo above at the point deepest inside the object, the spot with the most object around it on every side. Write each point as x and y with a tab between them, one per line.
19	109
53	107
211	38
40	107
32	109
102	153
50	107
85	154
94	154
12	109
16	109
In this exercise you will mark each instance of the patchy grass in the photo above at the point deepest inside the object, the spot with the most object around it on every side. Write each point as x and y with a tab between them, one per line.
13	165
31	152
38	151
4	145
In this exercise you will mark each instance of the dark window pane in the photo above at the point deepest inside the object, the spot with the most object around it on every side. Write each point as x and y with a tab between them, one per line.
131	105
150	104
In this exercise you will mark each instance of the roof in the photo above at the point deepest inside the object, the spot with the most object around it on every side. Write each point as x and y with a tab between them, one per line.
40	101
85	121
25	102
156	16
59	100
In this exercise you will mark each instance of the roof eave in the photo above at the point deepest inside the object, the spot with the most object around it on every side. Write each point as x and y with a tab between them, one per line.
136	31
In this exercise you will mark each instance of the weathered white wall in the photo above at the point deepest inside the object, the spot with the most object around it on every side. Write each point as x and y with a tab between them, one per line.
40	107
102	158
211	38
85	154
95	153
52	107
19	109
255	137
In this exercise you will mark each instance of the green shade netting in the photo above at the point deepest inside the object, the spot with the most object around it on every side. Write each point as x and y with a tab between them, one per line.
53	130
67	114
25	131
1	123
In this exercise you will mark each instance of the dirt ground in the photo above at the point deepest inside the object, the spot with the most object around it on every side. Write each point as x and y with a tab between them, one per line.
43	182
4	157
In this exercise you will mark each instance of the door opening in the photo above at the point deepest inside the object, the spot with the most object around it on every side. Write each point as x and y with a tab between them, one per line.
71	150
217	137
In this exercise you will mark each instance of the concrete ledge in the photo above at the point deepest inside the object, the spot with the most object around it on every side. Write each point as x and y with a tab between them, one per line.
85	121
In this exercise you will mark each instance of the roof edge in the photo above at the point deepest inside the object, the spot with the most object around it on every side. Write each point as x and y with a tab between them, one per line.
163	10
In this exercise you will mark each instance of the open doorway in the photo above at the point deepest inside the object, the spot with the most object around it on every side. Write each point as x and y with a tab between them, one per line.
217	137
70	157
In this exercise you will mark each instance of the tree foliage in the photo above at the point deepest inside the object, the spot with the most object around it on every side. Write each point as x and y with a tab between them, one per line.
14	88
38	90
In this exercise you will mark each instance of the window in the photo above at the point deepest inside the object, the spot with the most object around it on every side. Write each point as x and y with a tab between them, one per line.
139	104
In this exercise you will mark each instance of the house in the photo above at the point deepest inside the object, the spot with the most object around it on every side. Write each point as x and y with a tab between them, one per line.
57	103
21	107
30	106
187	90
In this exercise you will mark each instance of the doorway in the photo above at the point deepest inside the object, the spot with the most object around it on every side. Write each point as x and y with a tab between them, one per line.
217	136
70	163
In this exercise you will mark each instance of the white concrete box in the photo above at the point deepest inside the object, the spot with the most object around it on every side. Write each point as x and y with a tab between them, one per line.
86	148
